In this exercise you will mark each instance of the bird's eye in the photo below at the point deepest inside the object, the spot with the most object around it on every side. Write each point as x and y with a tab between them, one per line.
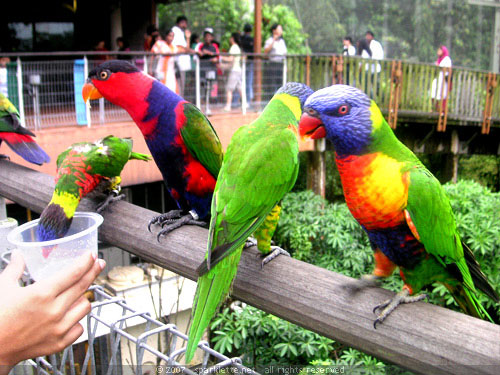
103	75
343	110
311	112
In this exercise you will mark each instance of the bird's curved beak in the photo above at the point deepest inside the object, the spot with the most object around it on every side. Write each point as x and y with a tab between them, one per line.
90	92
311	127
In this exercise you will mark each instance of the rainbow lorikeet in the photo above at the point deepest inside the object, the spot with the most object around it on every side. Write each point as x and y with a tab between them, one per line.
182	141
398	202
83	168
16	136
260	166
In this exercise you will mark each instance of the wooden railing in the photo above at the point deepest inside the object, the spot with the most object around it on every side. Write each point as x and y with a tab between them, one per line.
473	95
421	337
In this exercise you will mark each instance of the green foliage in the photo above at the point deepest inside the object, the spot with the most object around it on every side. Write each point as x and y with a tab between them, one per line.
484	169
325	234
293	33
408	29
265	339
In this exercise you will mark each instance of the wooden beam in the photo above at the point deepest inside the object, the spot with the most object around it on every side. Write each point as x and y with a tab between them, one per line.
422	337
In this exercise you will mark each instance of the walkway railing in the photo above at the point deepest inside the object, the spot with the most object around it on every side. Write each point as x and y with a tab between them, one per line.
422	337
46	87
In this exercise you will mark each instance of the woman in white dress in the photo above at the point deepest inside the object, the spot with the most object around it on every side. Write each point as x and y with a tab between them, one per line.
443	61
165	68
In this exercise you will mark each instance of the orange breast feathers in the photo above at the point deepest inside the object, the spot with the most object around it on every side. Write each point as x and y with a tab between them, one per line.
375	189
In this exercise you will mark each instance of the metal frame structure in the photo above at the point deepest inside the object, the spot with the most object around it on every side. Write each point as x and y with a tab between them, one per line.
167	362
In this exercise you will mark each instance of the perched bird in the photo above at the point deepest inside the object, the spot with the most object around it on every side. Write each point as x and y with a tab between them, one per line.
398	202
182	141
260	166
18	137
83	168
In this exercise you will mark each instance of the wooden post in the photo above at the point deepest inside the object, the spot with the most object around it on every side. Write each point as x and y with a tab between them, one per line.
308	70
488	106
257	48
443	102
316	168
395	93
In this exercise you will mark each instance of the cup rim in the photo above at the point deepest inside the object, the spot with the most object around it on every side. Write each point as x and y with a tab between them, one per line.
98	219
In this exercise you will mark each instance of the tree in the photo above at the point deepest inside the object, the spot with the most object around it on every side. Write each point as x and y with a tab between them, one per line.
226	17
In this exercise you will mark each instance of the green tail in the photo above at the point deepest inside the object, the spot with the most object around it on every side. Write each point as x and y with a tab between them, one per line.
211	291
468	301
139	156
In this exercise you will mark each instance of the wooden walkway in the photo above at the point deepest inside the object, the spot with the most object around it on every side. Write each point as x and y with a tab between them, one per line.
402	89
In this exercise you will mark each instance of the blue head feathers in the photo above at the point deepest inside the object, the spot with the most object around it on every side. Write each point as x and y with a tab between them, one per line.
344	112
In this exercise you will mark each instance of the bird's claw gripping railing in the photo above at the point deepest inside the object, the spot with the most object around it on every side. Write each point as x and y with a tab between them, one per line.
64	364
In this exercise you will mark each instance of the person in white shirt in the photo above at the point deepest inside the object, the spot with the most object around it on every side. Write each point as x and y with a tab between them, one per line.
275	47
349	49
440	84
376	48
182	37
234	79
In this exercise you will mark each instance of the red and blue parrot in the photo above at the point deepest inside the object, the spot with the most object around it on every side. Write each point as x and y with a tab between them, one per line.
181	140
398	202
16	136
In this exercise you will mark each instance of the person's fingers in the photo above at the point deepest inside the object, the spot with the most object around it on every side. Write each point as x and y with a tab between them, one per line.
71	336
15	268
64	279
77	311
71	294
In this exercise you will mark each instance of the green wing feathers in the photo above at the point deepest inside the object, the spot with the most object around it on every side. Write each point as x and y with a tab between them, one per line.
201	139
432	215
431	212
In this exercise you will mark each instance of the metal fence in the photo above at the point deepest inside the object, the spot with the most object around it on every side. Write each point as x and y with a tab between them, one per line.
48	92
47	88
106	327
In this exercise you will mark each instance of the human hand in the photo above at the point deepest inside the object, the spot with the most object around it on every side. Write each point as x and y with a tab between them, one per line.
187	33
43	318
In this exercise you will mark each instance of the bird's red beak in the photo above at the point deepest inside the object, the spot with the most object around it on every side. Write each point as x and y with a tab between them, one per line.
90	92
311	127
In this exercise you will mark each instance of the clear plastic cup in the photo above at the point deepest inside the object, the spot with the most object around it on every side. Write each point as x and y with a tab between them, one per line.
43	259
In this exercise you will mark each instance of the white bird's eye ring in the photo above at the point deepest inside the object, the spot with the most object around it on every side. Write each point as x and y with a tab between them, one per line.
103	75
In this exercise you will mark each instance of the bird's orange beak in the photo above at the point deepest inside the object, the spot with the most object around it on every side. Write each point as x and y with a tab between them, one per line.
311	127
90	92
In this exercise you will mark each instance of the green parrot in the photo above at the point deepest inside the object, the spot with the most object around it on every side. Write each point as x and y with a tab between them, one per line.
259	168
83	168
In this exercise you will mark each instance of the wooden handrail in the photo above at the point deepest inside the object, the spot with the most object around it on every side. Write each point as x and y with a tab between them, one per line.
422	337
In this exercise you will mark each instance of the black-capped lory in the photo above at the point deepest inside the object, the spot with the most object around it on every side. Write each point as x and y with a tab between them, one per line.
182	141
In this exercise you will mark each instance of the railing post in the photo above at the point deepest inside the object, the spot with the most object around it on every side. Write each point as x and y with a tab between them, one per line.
285	70
86	74
145	67
19	74
244	84
488	106
197	83
395	92
443	102
308	70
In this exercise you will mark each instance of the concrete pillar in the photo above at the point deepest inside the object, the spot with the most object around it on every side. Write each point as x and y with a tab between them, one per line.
116	26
